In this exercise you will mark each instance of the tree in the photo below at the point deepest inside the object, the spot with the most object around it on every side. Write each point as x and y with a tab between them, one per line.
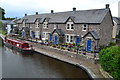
110	61
3	14
0	24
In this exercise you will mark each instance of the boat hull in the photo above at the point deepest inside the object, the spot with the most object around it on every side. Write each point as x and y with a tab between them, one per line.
18	49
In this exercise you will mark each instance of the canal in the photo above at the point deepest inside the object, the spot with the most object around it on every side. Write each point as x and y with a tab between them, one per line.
18	65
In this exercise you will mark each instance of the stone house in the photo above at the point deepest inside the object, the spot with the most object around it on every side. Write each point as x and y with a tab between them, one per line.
116	27
74	25
4	24
12	26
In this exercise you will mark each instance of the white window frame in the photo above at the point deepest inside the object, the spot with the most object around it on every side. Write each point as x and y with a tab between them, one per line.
68	39
37	33
83	27
45	35
45	25
70	26
37	24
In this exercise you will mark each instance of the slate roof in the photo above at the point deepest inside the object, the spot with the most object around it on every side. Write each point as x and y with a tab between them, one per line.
5	21
94	34
13	21
117	20
59	31
80	16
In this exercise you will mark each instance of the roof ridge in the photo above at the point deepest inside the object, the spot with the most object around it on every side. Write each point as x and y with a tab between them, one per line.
67	12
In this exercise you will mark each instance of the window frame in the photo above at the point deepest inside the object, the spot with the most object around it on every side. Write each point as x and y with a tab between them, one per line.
69	26
37	24
45	25
36	34
84	26
69	39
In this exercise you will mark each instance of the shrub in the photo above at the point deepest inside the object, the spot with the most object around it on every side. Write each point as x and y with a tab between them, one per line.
112	44
110	61
118	36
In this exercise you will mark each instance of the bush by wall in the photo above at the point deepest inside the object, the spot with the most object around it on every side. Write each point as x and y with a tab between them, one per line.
110	61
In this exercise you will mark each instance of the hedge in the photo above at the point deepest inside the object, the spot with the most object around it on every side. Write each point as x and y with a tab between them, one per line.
110	61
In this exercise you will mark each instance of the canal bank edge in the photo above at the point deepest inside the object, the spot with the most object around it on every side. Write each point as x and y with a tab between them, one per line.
88	70
90	73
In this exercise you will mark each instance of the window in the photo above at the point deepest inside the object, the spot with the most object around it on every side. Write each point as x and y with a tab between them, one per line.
84	28
70	38
69	26
72	26
24	24
45	25
67	38
45	35
37	34
37	24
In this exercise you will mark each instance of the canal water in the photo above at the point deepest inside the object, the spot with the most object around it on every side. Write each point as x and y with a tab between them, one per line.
18	65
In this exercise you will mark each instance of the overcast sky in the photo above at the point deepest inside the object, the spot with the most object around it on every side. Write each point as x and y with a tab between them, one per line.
17	8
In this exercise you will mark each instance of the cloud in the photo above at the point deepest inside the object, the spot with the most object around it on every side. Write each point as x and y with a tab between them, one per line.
14	8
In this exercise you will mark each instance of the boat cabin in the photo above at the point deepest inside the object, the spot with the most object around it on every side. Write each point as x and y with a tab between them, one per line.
17	43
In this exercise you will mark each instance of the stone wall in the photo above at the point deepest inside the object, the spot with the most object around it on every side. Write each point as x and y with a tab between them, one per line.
68	53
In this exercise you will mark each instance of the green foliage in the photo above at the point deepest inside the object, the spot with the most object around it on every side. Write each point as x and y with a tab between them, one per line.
110	61
9	18
0	24
74	47
112	44
3	32
73	44
61	40
78	45
118	36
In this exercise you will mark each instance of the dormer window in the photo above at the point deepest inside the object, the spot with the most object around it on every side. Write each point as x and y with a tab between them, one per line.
72	26
69	26
37	25
45	25
84	27
37	22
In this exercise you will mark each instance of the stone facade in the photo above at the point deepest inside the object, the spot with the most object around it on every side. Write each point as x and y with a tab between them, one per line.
73	24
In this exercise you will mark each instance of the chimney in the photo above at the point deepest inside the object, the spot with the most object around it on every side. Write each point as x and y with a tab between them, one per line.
107	6
25	14
52	11
74	9
36	13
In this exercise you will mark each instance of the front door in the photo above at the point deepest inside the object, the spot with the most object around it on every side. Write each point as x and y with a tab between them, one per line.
55	39
50	37
77	40
89	44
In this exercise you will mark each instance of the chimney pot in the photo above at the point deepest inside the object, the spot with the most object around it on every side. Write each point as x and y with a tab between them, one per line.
52	11
25	14
107	6
74	9
36	13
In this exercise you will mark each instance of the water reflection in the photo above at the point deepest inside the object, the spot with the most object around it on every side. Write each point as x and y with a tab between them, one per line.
18	65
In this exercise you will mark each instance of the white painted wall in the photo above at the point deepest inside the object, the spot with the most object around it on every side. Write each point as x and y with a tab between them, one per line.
8	29
119	9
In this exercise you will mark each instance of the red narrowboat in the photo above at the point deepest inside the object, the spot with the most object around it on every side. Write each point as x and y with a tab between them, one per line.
18	45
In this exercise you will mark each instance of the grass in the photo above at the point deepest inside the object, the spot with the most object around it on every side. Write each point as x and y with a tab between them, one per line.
2	32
